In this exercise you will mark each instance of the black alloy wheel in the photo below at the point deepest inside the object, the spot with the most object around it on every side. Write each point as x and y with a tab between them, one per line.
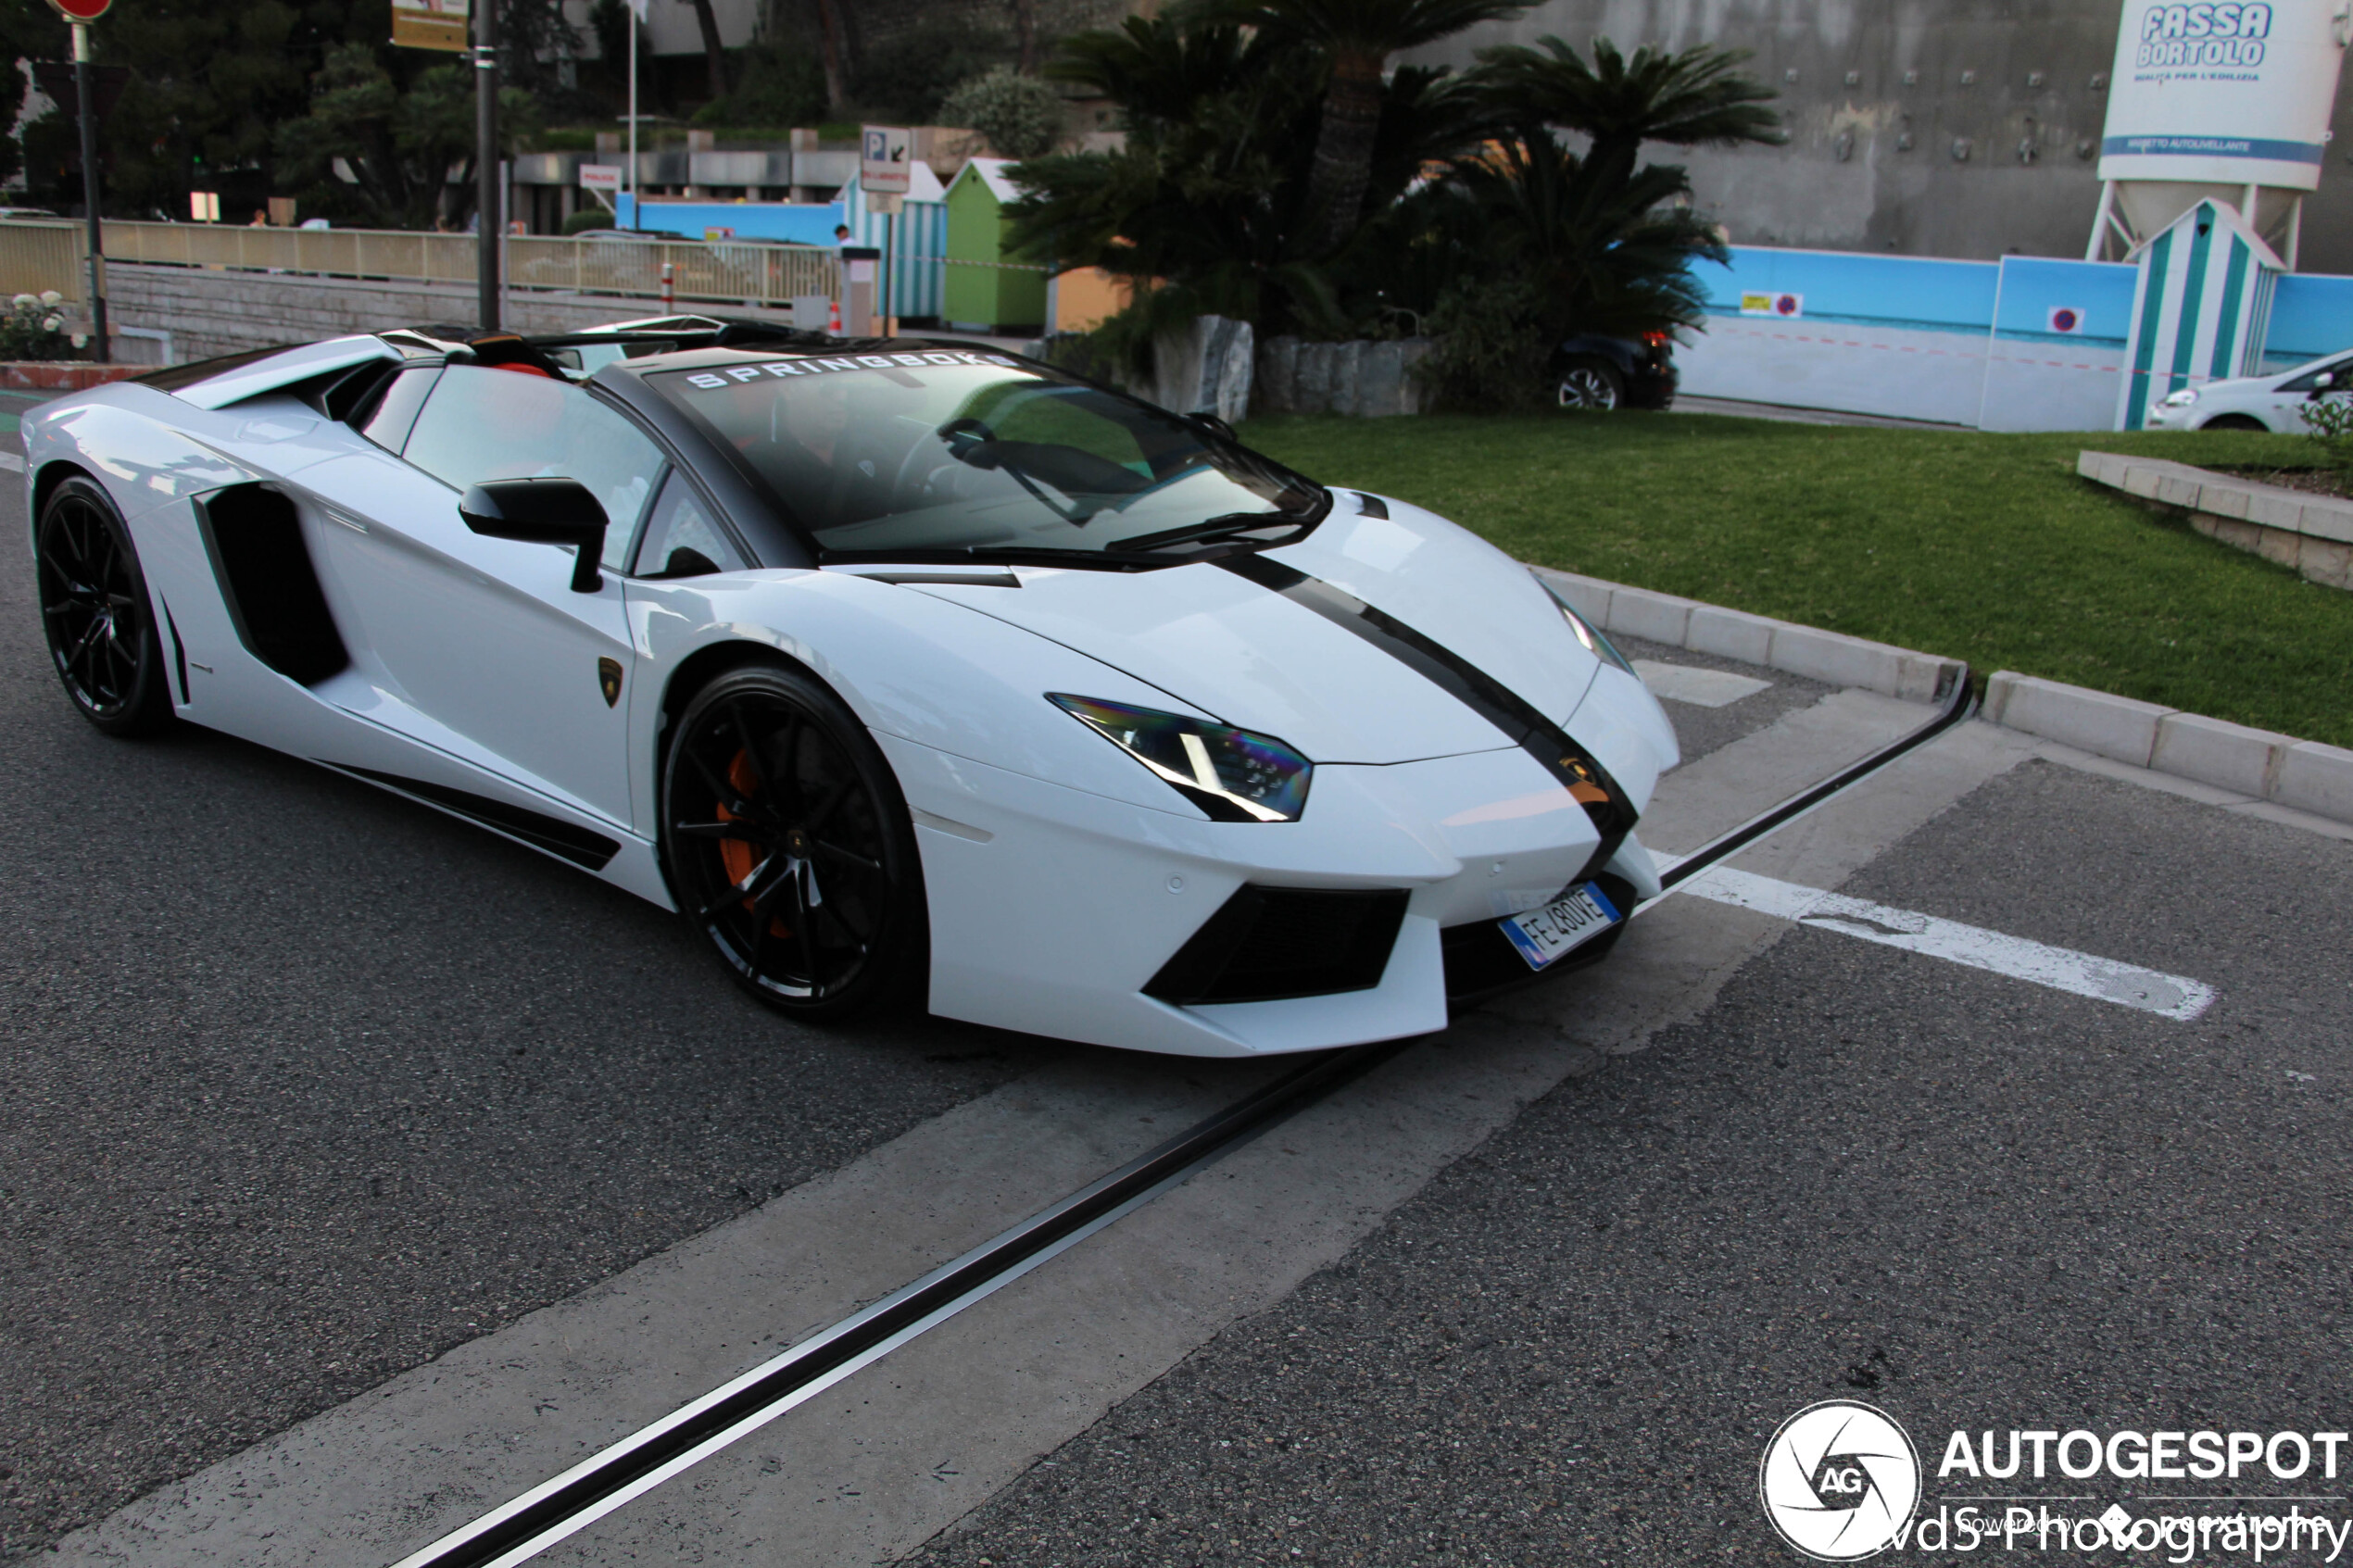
1588	381
789	845
94	610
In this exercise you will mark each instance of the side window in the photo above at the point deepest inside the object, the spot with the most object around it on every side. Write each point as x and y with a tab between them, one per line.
483	423
681	538
2342	370
388	423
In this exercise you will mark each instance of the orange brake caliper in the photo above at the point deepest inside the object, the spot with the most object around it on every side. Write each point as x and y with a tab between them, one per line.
737	855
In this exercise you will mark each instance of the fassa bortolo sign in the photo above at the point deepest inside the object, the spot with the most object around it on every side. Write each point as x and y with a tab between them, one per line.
2231	93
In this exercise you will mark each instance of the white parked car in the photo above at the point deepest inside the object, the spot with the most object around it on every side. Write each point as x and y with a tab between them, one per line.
2273	402
904	668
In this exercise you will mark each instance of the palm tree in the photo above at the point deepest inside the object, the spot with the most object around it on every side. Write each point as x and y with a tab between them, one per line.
1694	99
1355	38
1608	252
1205	204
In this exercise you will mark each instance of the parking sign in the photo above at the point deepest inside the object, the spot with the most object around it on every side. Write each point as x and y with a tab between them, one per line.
882	171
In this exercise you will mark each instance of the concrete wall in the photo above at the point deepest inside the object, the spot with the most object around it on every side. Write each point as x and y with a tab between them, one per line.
1878	93
209	312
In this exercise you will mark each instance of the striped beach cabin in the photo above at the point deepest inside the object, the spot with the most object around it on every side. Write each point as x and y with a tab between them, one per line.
2200	309
918	235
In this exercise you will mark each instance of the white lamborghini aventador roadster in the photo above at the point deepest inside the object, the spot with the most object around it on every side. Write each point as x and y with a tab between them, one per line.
905	670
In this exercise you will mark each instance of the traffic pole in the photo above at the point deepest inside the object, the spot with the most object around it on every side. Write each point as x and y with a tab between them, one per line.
97	258
489	236
629	181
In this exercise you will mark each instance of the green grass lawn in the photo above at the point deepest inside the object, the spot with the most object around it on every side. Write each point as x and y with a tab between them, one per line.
1983	547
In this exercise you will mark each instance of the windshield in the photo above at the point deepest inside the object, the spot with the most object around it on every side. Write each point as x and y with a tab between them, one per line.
954	453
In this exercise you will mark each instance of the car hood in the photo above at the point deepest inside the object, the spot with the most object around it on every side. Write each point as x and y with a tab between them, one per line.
1256	658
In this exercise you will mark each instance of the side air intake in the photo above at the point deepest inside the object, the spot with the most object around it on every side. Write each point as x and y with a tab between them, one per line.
1269	943
254	536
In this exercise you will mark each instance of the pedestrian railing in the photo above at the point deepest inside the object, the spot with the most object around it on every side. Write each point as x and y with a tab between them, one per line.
722	269
36	255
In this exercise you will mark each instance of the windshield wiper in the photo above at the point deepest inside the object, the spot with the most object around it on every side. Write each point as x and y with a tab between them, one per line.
1200	532
972	443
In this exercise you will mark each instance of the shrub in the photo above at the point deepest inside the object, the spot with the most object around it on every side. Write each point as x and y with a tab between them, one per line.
2328	424
1020	116
778	82
33	329
1490	354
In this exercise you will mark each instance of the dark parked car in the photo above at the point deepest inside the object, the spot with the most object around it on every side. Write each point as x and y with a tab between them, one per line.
1593	371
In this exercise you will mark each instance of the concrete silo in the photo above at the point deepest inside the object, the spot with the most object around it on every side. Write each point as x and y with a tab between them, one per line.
2227	101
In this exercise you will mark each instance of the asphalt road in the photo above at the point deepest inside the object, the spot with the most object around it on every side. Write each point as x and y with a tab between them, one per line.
1974	1202
305	1085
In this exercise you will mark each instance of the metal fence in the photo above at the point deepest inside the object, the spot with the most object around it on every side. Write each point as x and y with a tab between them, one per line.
345	253
49	255
35	257
731	270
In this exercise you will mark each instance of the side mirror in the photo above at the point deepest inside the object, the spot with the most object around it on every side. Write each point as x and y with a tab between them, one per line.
542	512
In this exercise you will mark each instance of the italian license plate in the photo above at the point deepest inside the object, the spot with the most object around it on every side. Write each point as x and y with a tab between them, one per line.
1567	922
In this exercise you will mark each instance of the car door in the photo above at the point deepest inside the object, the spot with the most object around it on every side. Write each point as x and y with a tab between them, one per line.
481	643
2292	397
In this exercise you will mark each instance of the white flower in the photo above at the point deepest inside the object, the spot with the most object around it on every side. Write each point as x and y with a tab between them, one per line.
24	299
52	298
51	324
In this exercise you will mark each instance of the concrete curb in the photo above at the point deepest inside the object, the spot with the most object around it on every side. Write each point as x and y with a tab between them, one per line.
2312	533
2301	774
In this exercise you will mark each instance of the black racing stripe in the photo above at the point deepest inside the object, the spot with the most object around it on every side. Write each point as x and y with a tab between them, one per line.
1442	666
578	845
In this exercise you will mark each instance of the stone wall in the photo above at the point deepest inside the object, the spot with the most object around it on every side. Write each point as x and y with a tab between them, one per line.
1365	378
1203	368
210	312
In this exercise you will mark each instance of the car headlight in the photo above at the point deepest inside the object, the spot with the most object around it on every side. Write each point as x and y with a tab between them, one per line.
1587	633
2181	399
1235	775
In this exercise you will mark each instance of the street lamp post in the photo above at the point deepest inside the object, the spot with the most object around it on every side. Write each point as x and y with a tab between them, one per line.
489	210
98	262
82	13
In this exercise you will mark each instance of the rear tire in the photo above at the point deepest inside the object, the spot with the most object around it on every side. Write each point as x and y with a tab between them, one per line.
790	848
1588	381
94	613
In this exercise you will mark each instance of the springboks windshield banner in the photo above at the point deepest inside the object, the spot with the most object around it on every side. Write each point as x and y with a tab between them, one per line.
2235	91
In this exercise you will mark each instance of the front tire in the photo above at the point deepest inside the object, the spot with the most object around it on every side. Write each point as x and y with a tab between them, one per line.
790	847
2233	422
1588	381
94	613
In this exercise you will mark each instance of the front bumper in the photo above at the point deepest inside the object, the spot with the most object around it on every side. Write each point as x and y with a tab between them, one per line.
1052	909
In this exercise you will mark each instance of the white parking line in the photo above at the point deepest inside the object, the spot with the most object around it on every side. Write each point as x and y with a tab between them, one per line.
2167	996
1699	686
